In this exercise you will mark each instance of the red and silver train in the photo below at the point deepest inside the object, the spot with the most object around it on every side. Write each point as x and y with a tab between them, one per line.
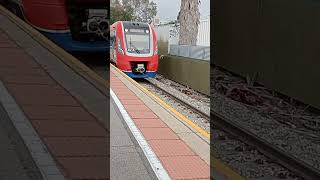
75	25
134	48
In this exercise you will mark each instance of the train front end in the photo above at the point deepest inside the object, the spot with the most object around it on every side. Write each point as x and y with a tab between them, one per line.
137	50
78	26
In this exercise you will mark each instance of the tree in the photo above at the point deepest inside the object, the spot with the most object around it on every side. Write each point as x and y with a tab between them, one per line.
146	11
121	12
189	19
139	10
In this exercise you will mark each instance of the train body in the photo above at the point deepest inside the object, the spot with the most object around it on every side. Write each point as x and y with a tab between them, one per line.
75	25
134	48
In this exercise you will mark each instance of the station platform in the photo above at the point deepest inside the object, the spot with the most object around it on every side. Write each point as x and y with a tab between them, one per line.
173	147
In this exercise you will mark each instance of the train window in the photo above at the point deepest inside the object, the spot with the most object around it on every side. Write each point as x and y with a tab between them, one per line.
138	43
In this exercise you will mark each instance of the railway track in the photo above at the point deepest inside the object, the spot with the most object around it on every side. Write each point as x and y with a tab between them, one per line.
281	143
183	101
280	156
239	134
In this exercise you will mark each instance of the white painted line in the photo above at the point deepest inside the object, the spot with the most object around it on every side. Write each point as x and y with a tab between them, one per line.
156	165
36	147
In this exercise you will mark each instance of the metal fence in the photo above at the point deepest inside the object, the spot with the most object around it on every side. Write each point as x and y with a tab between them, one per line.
194	52
163	32
169	33
203	38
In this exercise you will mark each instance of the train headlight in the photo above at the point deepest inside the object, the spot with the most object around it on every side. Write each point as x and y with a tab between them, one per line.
92	25
104	26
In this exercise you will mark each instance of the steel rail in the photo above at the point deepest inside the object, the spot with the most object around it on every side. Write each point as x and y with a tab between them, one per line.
290	162
190	106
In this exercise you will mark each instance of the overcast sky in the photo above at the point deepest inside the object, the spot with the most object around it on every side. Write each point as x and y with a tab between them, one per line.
169	9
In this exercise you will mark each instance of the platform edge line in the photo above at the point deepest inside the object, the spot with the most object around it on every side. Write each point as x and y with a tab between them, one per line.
29	135
155	163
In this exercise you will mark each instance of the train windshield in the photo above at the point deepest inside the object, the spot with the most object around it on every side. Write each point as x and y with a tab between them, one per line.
138	42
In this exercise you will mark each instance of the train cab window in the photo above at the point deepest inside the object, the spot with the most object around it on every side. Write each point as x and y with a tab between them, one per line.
138	41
